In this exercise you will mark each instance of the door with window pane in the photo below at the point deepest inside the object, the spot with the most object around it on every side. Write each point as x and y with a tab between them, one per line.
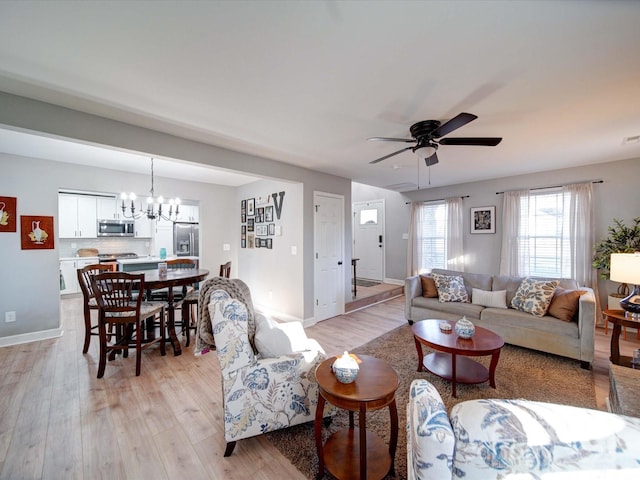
368	239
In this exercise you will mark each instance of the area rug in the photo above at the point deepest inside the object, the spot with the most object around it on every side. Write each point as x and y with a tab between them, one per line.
521	373
366	283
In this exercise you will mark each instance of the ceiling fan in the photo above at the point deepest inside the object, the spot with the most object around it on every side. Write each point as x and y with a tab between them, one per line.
427	137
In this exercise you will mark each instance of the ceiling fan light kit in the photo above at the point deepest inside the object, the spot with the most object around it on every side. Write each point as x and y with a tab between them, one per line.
426	136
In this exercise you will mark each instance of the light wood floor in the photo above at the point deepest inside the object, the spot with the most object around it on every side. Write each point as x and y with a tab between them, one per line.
58	421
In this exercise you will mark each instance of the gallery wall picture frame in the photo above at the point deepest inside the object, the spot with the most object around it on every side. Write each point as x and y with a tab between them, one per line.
251	207
36	232
269	242
250	224
243	229
251	241
243	218
261	230
272	229
483	219
8	219
243	204
268	214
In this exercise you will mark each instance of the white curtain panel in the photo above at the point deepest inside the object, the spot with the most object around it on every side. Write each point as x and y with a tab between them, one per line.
455	249
414	247
513	256
579	211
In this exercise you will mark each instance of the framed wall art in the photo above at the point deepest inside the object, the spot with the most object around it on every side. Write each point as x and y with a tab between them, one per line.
483	219
272	229
261	230
250	224
36	232
268	214
8	217
251	207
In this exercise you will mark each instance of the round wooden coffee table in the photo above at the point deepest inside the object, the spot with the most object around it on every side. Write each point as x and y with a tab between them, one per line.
355	453
450	361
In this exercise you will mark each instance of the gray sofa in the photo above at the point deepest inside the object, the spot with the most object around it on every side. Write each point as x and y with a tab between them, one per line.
546	334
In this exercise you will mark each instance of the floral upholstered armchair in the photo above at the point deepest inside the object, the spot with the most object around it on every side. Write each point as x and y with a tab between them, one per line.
262	390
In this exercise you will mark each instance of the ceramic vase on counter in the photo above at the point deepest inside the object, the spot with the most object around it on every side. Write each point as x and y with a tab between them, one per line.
465	328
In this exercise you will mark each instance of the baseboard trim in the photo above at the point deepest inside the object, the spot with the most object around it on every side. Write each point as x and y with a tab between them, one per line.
31	337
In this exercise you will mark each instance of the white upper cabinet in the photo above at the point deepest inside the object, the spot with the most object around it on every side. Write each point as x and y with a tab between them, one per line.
77	216
108	208
189	213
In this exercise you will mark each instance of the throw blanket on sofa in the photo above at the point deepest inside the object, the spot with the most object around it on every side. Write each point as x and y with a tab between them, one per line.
236	289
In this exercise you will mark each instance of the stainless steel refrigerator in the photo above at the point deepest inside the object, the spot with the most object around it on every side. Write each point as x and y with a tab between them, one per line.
185	239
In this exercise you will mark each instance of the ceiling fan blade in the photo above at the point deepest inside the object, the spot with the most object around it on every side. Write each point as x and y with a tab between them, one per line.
456	122
387	139
477	141
390	155
432	160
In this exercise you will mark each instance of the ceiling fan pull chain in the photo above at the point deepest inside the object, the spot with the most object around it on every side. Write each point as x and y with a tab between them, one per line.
429	174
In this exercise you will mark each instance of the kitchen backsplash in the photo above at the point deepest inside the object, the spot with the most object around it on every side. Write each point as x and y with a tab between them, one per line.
141	246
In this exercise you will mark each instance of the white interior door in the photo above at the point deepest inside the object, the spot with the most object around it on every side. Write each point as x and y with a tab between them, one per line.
368	239
329	255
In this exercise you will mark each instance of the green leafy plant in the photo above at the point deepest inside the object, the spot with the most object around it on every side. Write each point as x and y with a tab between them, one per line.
621	239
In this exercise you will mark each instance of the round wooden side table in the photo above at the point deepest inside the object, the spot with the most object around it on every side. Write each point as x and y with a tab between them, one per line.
619	320
353	452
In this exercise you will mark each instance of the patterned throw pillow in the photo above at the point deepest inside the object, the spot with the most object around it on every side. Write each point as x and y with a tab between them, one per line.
450	288
534	296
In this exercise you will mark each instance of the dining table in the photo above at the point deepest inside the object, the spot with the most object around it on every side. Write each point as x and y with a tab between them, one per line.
182	277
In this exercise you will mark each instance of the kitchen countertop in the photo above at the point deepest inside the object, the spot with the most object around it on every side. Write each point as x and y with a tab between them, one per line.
148	259
78	258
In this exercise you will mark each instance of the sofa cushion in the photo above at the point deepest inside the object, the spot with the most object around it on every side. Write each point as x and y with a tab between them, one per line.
511	320
564	304
486	298
458	309
534	296
429	288
450	288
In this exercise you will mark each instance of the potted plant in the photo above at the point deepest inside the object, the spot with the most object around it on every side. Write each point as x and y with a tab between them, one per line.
621	239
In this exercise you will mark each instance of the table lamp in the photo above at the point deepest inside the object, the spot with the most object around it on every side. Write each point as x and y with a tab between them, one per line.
625	268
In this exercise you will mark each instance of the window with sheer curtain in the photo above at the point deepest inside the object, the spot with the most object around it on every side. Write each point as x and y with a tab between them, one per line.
548	233
435	236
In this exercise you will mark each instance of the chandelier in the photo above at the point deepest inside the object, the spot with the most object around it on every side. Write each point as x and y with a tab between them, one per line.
154	206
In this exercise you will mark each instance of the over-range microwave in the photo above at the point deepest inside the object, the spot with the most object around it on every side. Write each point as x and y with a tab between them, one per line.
116	228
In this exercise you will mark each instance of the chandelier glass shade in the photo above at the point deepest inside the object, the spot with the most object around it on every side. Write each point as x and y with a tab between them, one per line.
154	205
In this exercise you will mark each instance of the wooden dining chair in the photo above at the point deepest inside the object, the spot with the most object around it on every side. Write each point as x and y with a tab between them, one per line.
121	307
90	303
192	300
225	270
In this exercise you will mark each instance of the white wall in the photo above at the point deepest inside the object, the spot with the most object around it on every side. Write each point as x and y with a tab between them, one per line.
275	275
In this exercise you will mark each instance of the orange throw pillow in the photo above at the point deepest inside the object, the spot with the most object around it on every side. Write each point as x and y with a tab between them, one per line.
564	304
429	289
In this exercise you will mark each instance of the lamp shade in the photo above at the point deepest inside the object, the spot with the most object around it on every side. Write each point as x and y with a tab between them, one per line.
625	268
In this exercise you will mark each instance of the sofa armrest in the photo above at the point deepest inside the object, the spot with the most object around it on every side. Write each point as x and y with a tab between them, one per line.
412	289
587	324
430	438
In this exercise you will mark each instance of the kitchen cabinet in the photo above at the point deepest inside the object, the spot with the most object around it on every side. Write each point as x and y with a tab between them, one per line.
77	216
68	270
189	213
108	208
143	227
164	238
